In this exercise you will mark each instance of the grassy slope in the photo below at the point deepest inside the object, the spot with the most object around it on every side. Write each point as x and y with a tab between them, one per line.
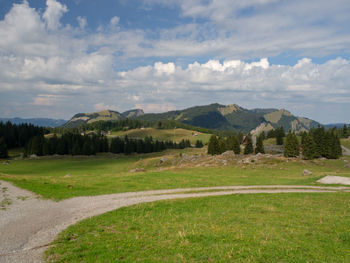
164	134
237	228
111	174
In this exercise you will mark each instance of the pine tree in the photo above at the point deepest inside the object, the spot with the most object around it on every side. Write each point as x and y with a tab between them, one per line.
309	147
291	146
213	146
236	146
279	136
345	131
260	144
199	144
249	146
3	148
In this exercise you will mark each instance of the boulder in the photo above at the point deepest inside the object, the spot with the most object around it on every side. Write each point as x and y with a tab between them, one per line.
306	172
137	170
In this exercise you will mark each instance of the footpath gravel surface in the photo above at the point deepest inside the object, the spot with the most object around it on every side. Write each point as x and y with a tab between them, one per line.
28	223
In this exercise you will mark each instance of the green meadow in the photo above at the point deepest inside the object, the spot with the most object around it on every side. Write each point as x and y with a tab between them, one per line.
175	135
69	176
237	228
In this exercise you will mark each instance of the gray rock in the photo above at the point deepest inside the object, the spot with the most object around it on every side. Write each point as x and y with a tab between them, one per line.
306	172
347	165
67	175
137	170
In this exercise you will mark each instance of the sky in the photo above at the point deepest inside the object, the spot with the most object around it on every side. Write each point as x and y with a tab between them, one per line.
62	57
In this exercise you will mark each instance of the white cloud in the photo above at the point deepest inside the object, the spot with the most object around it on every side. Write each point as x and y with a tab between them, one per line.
101	106
114	21
154	107
53	14
82	22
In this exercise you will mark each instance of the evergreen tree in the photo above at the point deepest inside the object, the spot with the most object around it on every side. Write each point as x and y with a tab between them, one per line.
309	147
345	132
291	146
199	144
260	144
3	148
249	146
236	146
222	145
279	136
213	146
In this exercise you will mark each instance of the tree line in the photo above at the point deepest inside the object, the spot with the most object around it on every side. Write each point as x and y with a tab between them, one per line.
77	144
314	144
12	135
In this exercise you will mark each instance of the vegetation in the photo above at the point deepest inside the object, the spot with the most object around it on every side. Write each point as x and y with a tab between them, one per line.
176	135
326	144
3	148
238	228
260	144
222	144
248	149
19	135
109	173
77	144
291	146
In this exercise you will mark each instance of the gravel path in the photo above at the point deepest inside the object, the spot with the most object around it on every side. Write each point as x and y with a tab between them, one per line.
345	150
28	224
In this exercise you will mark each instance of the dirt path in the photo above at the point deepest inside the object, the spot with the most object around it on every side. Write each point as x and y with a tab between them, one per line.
345	150
28	224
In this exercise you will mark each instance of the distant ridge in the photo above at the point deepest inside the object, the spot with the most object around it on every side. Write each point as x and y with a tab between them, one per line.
213	116
43	122
106	115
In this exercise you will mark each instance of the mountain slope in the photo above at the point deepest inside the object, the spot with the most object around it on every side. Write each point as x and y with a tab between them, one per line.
106	115
213	116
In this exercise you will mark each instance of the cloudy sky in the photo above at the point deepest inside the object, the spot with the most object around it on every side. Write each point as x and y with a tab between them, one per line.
61	57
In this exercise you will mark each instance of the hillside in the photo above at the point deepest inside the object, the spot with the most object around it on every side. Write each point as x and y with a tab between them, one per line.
214	116
175	135
233	117
106	115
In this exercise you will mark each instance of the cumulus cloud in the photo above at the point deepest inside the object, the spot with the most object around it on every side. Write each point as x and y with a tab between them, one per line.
53	14
114	21
45	61
82	22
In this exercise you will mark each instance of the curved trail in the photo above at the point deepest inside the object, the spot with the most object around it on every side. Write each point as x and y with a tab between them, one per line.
29	224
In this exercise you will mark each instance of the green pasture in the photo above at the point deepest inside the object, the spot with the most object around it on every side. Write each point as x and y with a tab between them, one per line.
301	228
175	135
67	176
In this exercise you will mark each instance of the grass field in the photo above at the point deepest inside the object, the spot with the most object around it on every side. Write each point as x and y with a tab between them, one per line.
345	142
175	135
105	174
238	228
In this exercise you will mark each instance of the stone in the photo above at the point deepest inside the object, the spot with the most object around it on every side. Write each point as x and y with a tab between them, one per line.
137	170
163	160
306	172
347	165
67	175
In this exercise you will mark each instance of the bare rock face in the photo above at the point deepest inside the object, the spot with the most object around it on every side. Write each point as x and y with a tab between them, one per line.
306	172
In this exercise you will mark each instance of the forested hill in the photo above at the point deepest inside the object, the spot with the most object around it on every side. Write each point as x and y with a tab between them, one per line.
213	116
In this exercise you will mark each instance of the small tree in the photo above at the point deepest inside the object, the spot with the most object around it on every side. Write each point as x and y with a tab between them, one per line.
260	144
199	144
309	147
236	146
291	146
249	146
279	136
213	146
3	148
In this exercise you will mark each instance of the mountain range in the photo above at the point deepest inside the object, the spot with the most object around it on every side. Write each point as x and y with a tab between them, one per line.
213	116
44	122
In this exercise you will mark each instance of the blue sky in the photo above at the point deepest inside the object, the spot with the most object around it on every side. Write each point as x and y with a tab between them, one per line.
58	58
